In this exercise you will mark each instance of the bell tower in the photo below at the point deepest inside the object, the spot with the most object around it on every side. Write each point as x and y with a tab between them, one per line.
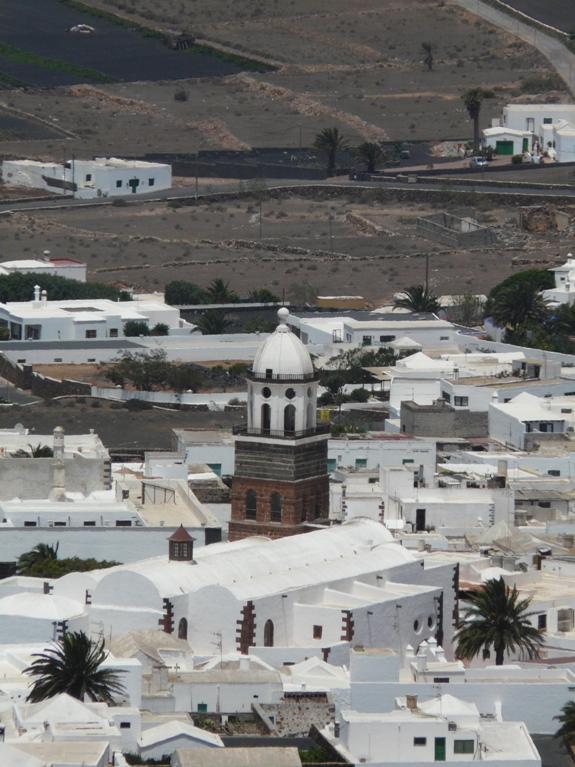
281	483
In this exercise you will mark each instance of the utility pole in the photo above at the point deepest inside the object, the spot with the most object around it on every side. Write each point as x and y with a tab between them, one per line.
426	272
260	218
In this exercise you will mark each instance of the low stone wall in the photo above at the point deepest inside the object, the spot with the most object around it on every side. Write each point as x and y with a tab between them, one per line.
24	377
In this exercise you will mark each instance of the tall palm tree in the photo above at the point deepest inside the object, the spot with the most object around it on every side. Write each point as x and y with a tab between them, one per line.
330	142
417	298
371	154
42	552
518	305
473	100
497	618
567	719
218	292
40	451
213	322
73	666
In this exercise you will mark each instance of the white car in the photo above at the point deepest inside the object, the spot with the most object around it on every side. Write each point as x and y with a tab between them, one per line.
478	162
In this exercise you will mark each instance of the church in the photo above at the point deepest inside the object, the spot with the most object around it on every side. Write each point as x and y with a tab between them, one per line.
281	482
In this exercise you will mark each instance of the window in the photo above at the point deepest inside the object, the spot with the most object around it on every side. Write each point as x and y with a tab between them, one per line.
441	680
444	338
289	419
151	181
544	504
530	124
420	741
554	473
59	524
266	392
366	341
123	523
202	708
90	523
269	634
90	334
118	184
276	507
407	460
290	393
547	121
29	524
125	725
386	339
461	401
88	176
331	465
361	463
113	332
542	621
463	746
183	629
416	625
566	410
251	504
446	396
269	373
266	418
317	632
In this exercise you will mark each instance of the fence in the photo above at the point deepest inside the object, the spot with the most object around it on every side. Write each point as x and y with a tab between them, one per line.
207	401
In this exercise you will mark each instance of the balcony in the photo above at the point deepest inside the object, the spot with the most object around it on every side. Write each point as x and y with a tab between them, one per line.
242	430
273	377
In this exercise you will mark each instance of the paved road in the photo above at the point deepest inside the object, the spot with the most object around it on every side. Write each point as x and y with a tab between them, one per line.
188	192
551	47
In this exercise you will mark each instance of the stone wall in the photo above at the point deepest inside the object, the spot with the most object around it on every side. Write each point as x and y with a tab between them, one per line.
281	460
442	420
24	377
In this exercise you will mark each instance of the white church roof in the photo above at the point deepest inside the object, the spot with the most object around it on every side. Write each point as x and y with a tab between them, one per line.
40	606
267	567
283	353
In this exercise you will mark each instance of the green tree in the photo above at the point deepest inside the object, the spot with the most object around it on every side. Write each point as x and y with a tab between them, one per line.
42	552
160	329
427	49
330	142
473	100
40	451
263	296
182	293
56	568
20	287
136	328
497	618
183	377
467	309
417	298
145	370
218	292
517	306
371	154
567	719
213	322
74	666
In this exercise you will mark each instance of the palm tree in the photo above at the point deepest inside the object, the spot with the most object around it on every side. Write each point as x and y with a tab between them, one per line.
518	305
213	322
417	298
567	719
40	451
329	142
473	99
73	666
42	552
371	154
497	618
218	292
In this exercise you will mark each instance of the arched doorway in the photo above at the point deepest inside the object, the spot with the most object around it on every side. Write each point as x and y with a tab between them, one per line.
266	418
269	634
183	628
289	419
251	504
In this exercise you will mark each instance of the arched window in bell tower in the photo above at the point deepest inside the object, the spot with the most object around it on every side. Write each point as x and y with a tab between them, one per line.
289	419
266	418
251	504
276	507
268	634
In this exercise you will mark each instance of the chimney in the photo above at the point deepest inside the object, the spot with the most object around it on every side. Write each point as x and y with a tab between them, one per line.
44	296
411	702
58	492
181	546
36	300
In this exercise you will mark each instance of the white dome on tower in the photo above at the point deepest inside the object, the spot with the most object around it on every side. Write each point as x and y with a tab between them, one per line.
283	354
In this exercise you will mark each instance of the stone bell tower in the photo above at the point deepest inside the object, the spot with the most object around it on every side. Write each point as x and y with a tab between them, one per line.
281	482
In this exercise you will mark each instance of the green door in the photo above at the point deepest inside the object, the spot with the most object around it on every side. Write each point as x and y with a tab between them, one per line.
504	147
439	749
525	144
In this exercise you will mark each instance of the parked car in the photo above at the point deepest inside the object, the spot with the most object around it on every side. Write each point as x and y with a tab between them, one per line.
478	162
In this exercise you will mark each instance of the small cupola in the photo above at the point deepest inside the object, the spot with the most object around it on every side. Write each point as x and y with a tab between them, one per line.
181	546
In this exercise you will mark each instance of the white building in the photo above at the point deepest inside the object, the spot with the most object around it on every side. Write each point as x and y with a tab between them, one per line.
100	177
527	420
440	729
79	319
58	267
539	127
564	290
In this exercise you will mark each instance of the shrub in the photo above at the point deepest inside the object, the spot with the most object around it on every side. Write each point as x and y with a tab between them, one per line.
517	159
181	95
359	395
136	328
160	329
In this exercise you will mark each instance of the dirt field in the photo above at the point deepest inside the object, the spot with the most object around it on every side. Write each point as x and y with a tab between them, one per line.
373	250
360	70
